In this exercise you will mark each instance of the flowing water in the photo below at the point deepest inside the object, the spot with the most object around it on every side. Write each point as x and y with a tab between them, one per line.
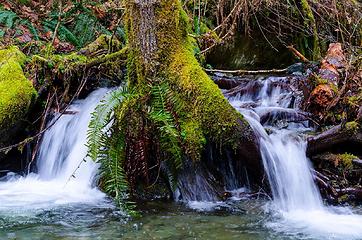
58	181
297	205
61	201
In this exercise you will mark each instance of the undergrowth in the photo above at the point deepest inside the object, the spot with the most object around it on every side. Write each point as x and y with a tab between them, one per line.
119	139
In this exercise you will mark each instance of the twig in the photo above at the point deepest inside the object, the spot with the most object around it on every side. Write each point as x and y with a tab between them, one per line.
42	125
262	32
298	54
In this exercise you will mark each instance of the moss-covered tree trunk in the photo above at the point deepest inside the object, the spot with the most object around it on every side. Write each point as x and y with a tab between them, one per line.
162	52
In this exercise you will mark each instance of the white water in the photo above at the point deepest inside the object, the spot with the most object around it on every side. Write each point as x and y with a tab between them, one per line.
62	150
297	204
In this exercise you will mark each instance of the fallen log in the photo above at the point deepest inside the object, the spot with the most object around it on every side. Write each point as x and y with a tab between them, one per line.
248	72
335	137
227	82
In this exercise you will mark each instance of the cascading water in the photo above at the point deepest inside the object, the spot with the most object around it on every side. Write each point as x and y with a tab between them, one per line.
297	203
61	152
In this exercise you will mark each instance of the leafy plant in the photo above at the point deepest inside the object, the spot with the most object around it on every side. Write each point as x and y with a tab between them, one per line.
106	145
169	135
7	19
119	144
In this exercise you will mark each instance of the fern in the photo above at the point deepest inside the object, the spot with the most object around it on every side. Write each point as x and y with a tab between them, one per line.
86	26
63	32
112	172
101	117
107	146
165	123
8	18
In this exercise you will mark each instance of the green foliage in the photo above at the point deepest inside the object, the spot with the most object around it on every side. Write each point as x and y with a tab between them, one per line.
86	27
163	102
10	20
114	183
7	18
63	32
107	146
83	29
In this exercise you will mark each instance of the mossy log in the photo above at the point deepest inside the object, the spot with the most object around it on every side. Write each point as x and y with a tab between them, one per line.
16	97
338	137
105	58
16	92
161	50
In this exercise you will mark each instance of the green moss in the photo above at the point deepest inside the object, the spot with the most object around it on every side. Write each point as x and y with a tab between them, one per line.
103	42
309	21
346	160
205	113
352	126
207	105
16	92
193	139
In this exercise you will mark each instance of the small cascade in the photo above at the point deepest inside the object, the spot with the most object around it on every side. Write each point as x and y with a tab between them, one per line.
297	204
196	184
59	180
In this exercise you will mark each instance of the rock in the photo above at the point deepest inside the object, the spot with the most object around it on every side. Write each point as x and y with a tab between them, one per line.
16	92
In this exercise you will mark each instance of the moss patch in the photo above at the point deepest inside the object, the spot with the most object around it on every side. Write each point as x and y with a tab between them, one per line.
16	92
352	126
205	113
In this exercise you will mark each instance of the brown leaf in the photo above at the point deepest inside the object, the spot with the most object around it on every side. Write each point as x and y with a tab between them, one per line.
27	12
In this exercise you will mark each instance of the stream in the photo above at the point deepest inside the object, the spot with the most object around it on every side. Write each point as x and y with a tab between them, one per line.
61	200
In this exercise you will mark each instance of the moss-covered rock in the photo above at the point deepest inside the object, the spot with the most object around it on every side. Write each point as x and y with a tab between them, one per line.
16	92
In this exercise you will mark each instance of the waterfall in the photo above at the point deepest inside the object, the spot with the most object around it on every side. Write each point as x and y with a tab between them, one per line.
297	204
62	151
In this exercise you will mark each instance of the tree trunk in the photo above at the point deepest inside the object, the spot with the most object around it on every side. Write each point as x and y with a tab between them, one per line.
161	51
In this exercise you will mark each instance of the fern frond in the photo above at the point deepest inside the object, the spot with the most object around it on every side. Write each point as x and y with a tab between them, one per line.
100	119
8	18
112	172
169	135
106	145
